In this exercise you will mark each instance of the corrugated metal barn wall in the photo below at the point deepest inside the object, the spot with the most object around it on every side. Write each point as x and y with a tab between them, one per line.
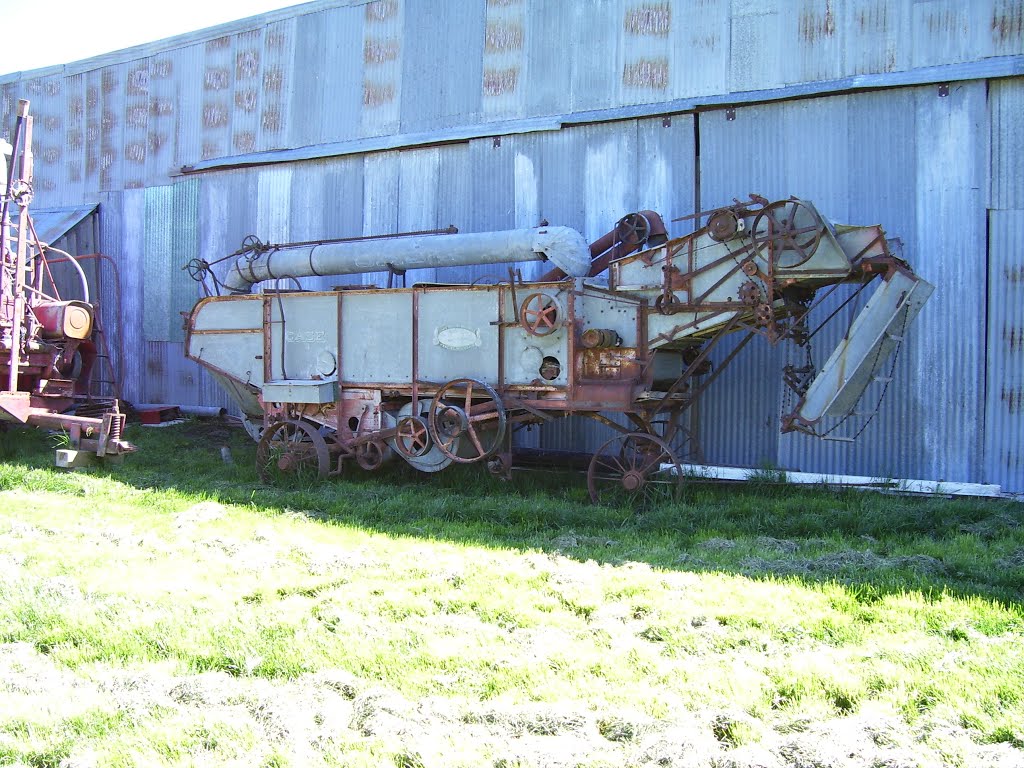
1004	412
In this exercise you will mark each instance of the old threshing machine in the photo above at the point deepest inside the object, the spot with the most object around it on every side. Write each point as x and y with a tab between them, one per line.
441	373
50	347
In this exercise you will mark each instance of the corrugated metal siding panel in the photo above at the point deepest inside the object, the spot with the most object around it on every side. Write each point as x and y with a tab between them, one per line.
441	64
124	237
595	56
218	97
381	181
952	144
162	125
852	156
755	58
247	91
174	379
190	96
278	84
946	31
545	76
1004	415
881	188
328	73
811	36
383	52
506	67
875	33
739	412
136	124
171	240
1006	98
700	52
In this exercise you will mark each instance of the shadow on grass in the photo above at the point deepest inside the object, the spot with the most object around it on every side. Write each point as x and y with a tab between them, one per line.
876	544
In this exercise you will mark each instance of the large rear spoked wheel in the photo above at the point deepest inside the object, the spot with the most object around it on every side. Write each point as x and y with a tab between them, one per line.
470	411
292	450
635	469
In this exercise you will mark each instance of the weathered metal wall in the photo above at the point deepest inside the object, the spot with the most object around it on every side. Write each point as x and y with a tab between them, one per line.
339	71
569	148
1004	412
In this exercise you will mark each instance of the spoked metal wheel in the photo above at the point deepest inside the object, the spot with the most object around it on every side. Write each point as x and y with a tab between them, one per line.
292	450
637	469
455	415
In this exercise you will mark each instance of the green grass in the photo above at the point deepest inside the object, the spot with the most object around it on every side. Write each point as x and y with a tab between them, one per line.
174	611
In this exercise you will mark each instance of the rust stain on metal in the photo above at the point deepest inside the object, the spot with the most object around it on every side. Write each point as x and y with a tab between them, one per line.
503	3
52	87
503	36
646	73
874	19
90	165
499	81
1008	22
1014	274
47	185
380	50
134	184
271	119
161	68
74	172
137	117
76	108
210	149
1014	399
138	82
649	19
273	80
219	44
135	152
107	158
161	107
92	97
381	10
244	141
51	124
51	155
946	21
375	94
108	121
708	42
275	40
216	79
109	81
92	133
816	26
215	115
247	100
157	140
74	140
614	364
247	64
1014	338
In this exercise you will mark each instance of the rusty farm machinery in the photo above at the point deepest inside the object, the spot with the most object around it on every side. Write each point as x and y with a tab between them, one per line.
51	348
621	331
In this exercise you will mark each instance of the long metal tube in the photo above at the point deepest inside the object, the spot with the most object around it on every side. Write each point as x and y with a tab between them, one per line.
563	246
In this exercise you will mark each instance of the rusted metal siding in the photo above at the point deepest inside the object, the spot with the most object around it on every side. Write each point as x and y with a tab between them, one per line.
907	160
1006	98
1004	412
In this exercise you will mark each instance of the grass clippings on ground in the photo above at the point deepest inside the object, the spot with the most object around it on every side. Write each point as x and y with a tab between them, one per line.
174	611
